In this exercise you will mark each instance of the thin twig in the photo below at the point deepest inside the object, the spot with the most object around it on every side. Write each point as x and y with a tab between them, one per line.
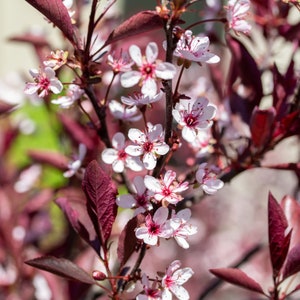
215	283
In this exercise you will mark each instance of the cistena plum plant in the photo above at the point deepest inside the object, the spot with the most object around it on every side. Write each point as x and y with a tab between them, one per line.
163	112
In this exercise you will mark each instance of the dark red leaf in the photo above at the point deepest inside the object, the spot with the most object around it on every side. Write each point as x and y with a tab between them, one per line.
289	125
237	277
73	204
141	22
127	239
292	265
62	267
57	13
291	208
76	131
35	40
51	158
101	199
244	67
278	241
261	126
5	108
39	201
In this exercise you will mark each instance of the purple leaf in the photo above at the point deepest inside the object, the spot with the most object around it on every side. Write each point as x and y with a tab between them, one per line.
76	131
237	277
5	108
35	40
127	239
73	204
291	208
62	267
278	241
57	13
243	66
51	158
101	199
261	126
292	265
141	22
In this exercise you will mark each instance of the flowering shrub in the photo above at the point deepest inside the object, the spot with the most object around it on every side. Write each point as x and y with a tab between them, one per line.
150	124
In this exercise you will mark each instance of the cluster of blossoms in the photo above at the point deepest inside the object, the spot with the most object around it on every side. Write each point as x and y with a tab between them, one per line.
170	284
155	198
148	145
237	11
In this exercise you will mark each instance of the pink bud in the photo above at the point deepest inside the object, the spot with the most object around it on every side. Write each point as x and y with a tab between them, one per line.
97	275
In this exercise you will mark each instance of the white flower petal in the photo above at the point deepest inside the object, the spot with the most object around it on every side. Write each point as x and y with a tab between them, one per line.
139	185
134	164
118	141
161	215
149	87
165	71
136	55
130	79
125	201
183	275
189	134
149	161
136	135
161	149
109	155
152	184
134	150
151	52
180	292
56	86
118	166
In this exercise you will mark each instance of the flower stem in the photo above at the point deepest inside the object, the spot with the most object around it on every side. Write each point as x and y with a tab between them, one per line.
222	20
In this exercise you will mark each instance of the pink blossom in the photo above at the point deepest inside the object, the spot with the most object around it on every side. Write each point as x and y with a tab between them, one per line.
208	179
139	201
150	292
167	189
154	227
121	112
122	63
181	228
118	157
202	143
237	11
173	281
195	48
149	144
139	99
193	115
75	165
56	59
44	83
149	69
73	94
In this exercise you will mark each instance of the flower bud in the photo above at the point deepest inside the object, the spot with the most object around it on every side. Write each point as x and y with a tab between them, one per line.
98	275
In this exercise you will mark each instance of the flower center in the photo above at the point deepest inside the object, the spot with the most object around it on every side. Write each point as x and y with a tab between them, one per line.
44	83
168	281
190	120
141	200
148	146
147	70
122	154
166	192
154	229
